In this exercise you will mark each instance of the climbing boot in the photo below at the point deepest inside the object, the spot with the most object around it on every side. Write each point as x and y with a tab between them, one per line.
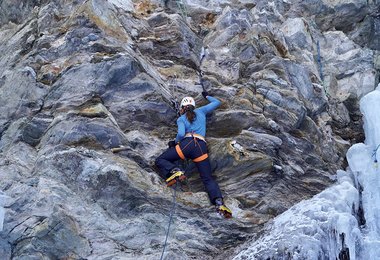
176	175
222	209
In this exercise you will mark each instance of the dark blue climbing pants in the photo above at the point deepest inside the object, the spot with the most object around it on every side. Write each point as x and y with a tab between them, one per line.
192	148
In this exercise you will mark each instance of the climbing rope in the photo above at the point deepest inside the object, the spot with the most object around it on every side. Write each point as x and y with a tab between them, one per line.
199	71
186	166
174	100
173	84
311	26
319	61
320	67
170	219
182	7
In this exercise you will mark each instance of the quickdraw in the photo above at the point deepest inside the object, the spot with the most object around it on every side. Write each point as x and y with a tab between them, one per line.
199	71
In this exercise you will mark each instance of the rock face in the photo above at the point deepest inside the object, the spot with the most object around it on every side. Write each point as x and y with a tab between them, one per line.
78	78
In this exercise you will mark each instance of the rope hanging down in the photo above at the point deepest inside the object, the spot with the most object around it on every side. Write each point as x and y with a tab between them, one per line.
172	82
200	72
182	7
173	86
320	67
315	35
181	4
172	98
170	220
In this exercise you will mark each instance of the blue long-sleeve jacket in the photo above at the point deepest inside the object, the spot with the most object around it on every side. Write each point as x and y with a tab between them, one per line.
199	124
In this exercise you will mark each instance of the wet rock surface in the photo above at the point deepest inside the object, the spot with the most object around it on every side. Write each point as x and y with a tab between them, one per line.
79	78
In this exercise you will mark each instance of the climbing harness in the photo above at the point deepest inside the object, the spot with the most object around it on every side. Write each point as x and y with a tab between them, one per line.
196	136
170	220
182	156
375	156
180	153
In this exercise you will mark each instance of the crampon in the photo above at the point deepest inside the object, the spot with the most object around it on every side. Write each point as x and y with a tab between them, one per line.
177	176
224	211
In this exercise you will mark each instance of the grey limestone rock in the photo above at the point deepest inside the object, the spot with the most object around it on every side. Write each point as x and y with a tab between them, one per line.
87	91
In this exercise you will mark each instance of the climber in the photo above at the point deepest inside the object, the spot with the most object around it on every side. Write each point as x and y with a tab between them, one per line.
190	143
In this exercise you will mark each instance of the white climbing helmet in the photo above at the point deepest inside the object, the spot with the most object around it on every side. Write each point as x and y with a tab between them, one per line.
187	101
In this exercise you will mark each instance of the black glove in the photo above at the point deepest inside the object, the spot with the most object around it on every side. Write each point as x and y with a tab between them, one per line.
205	94
171	144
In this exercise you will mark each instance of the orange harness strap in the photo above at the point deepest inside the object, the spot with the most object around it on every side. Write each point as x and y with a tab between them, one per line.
201	158
182	156
179	151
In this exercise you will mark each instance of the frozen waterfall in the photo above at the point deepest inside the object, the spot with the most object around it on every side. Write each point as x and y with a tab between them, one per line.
342	222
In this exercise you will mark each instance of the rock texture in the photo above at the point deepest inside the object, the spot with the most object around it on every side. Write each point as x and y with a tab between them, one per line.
78	78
